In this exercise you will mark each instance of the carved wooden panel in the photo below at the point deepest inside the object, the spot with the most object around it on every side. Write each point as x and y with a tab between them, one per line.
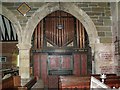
54	62
60	64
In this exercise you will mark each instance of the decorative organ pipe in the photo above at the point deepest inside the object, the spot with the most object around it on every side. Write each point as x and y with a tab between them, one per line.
38	36
35	38
42	33
80	30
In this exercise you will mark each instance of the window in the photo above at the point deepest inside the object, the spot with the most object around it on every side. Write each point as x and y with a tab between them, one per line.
2	59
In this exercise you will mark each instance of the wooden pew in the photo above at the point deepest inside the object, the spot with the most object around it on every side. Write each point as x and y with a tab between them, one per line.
31	83
28	85
9	71
11	83
113	81
14	83
72	82
84	82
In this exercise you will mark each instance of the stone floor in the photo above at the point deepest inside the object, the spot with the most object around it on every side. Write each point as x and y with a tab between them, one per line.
39	85
24	81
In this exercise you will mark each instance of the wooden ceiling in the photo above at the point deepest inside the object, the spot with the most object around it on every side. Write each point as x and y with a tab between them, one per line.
7	30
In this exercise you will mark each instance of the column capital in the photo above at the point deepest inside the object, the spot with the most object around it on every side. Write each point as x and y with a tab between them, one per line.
24	46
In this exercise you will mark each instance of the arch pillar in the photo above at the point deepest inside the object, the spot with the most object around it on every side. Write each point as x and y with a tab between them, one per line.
24	60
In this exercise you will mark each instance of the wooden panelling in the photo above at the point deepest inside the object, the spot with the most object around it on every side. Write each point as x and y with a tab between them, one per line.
66	62
43	59
80	64
53	82
59	64
83	64
76	65
54	62
36	58
40	66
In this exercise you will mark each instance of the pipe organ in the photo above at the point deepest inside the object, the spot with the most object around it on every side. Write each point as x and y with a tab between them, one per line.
60	47
70	33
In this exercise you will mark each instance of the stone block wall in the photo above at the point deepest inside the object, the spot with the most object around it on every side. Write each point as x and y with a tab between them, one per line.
10	51
99	12
119	37
13	6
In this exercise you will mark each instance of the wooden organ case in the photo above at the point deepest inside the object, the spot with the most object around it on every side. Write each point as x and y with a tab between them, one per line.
60	47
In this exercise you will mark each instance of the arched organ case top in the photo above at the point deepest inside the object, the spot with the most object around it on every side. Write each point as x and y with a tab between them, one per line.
72	34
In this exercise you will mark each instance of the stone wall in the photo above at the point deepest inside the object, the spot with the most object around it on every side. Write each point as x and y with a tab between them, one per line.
115	34
10	51
99	12
119	37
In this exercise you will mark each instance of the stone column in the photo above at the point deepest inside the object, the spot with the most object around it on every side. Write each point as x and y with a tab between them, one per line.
24	58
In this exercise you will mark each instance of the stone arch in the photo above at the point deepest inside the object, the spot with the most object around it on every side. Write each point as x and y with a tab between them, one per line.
69	8
7	13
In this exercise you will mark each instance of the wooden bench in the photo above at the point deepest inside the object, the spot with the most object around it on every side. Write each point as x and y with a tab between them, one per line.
113	81
29	84
84	82
70	82
38	85
9	71
11	83
14	83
